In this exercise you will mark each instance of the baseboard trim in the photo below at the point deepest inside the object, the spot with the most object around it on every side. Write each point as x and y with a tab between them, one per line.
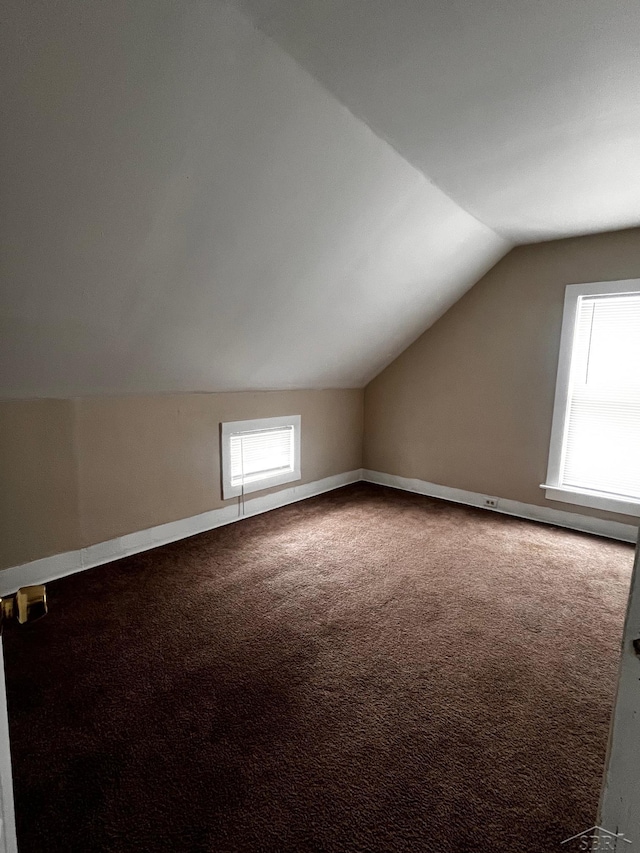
530	512
59	565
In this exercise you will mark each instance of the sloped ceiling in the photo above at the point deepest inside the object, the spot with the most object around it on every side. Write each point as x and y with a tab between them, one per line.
526	112
185	208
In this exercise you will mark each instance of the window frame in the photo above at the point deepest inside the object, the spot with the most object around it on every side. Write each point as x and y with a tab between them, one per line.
231	427
554	490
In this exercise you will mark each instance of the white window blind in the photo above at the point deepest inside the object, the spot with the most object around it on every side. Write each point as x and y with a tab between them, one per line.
601	442
260	454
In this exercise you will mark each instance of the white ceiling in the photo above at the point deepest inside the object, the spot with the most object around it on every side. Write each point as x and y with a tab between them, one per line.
185	208
526	112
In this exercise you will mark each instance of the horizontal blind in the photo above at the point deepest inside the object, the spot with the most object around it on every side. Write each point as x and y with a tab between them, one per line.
260	454
601	450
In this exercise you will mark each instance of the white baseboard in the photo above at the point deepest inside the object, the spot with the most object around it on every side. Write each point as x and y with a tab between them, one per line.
51	568
531	512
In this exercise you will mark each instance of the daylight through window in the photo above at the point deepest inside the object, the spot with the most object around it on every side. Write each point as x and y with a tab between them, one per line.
258	454
595	451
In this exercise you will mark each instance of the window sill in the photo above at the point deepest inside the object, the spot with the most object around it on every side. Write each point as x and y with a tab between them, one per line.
260	485
595	500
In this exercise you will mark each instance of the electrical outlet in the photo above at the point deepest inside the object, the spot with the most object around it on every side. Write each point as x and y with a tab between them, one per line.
491	502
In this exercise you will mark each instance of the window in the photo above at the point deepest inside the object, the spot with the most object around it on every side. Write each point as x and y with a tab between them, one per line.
259	454
594	458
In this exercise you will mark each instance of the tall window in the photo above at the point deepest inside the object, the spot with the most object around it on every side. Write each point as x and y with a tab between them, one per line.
259	454
594	458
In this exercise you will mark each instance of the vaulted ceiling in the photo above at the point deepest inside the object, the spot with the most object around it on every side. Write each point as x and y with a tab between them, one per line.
189	203
526	112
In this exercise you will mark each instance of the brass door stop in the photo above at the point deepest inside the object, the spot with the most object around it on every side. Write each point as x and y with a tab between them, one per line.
28	604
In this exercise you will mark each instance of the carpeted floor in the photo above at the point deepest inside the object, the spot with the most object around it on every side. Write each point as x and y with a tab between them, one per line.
363	671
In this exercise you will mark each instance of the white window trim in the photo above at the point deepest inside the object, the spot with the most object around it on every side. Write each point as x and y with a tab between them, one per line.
553	489
226	430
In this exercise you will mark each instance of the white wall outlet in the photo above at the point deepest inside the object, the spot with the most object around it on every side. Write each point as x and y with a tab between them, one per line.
491	502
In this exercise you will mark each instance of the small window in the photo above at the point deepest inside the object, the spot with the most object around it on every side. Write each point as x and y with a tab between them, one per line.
259	454
594	459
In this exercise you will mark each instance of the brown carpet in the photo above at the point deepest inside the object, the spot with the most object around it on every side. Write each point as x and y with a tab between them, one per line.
364	671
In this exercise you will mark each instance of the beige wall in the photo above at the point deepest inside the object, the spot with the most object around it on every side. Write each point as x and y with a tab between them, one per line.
79	472
469	404
38	482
